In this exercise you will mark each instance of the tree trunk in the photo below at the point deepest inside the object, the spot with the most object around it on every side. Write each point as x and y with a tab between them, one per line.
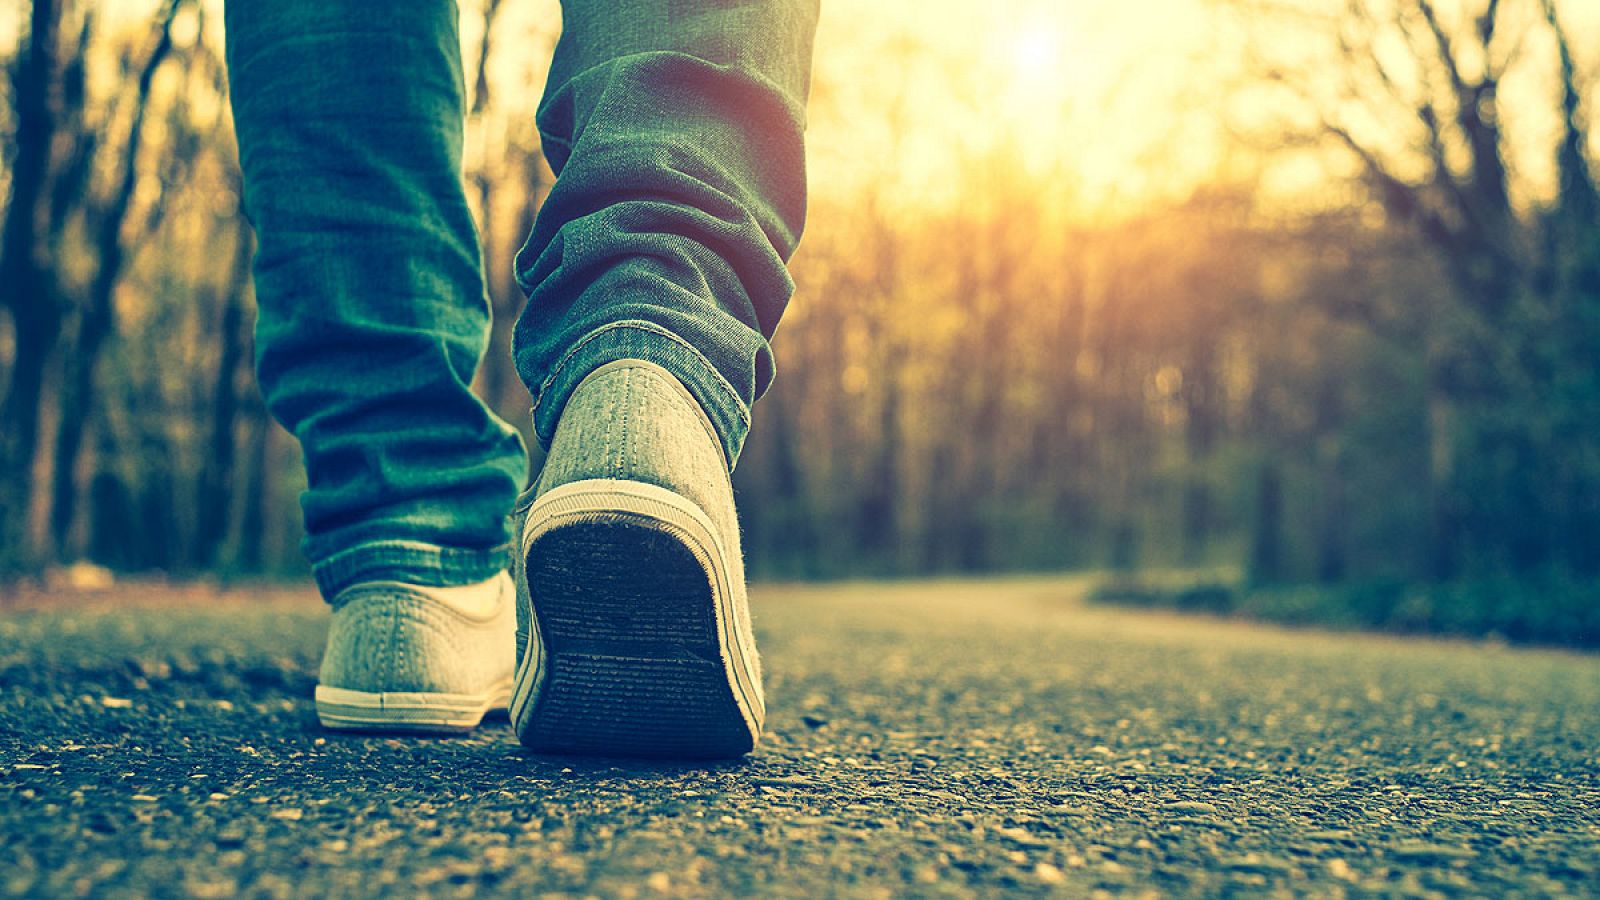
1266	549
112	519
96	321
214	492
254	506
878	522
1333	557
1328	415
29	293
1200	432
1444	515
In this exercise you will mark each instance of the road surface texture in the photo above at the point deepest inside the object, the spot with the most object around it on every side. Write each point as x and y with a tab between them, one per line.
933	739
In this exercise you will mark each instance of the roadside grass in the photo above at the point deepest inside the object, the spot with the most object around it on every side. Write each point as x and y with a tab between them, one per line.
1547	608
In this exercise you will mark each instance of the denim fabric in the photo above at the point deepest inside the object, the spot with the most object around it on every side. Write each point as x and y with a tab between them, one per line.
675	126
372	311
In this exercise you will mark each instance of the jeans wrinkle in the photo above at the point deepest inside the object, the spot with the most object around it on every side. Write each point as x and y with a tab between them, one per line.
676	130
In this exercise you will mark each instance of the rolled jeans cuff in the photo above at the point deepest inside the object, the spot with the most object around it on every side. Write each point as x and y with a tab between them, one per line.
408	562
639	339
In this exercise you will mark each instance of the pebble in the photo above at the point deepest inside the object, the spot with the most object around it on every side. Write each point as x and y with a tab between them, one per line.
784	781
1024	838
1418	852
1257	864
1193	806
1069	810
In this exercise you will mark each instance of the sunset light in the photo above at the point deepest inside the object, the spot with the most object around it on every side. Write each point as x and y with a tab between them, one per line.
1094	100
1037	54
1155	445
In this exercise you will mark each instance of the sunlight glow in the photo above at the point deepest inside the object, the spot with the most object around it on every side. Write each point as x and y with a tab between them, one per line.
1098	105
1037	54
1107	107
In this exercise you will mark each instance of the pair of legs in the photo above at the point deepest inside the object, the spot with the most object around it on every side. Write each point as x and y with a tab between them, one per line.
675	129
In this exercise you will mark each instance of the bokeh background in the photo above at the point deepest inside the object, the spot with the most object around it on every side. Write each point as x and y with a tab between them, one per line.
1289	308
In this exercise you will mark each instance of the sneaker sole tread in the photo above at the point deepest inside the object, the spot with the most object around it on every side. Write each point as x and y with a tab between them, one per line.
641	660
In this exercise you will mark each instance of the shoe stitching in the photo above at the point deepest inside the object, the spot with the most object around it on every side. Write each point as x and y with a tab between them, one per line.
622	437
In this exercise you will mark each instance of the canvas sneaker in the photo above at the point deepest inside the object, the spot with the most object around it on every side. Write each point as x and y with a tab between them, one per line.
634	635
404	658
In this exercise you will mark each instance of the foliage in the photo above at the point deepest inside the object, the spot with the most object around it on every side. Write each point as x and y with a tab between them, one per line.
1391	383
1547	607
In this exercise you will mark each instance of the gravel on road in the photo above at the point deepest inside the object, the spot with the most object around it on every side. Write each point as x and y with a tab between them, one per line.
932	738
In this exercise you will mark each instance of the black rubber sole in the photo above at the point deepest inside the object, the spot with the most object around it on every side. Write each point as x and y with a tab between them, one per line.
633	665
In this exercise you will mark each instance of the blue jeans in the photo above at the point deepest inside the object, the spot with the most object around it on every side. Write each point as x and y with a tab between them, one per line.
675	129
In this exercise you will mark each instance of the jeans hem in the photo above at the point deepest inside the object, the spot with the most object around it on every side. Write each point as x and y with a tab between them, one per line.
647	341
409	562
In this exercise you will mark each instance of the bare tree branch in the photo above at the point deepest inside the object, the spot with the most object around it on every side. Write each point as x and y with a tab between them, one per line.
1444	47
1402	200
1580	196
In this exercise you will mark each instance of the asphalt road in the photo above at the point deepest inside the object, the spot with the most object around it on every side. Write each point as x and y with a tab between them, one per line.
930	739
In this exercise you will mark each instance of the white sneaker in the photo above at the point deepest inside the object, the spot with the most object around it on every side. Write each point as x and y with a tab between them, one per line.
404	658
636	626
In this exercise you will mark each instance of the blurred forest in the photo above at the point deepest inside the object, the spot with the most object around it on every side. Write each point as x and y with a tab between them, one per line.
1386	368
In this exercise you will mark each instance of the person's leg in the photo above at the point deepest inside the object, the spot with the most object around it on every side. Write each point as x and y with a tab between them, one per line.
373	316
656	275
675	128
372	321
